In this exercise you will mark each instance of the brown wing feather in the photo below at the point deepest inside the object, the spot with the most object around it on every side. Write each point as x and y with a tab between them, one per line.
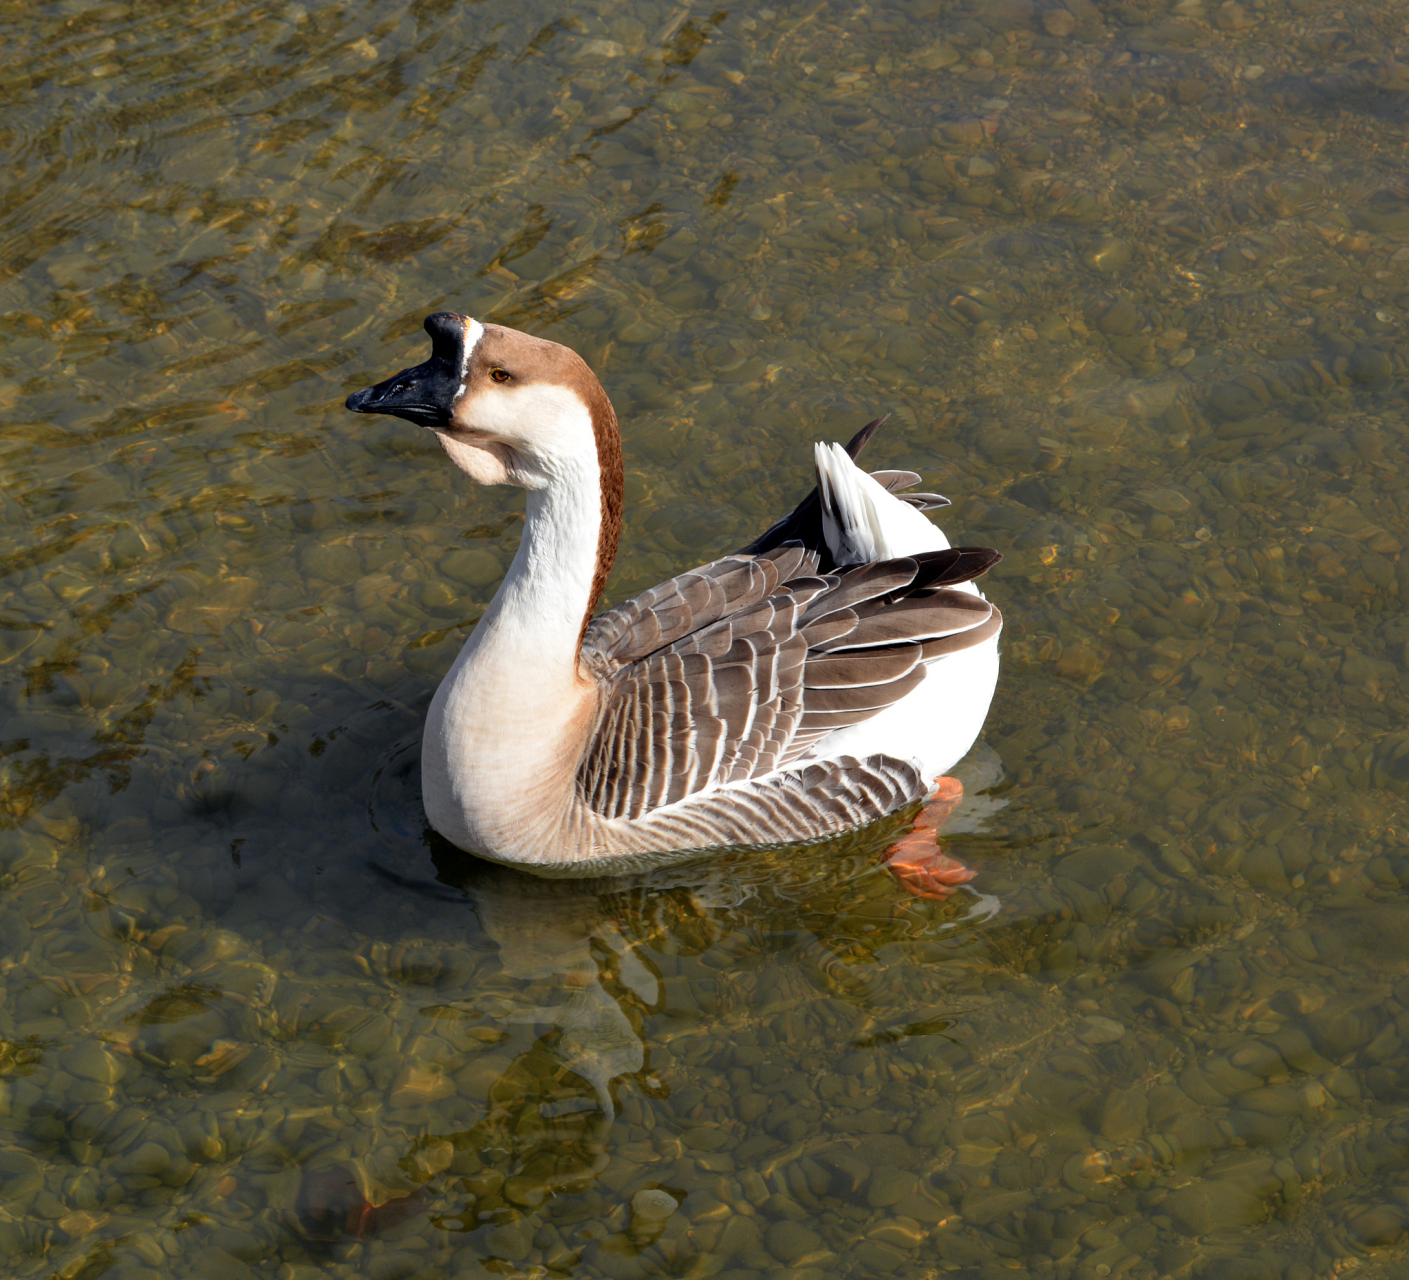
957	564
868	582
958	641
894	481
686	604
833	627
736	669
867	666
914	618
819	798
861	697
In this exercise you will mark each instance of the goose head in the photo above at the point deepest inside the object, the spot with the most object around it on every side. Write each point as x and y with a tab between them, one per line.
508	407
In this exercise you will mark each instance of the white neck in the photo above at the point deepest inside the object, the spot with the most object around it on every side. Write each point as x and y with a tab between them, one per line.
507	725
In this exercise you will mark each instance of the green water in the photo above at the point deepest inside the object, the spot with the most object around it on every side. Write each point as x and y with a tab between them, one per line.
1133	283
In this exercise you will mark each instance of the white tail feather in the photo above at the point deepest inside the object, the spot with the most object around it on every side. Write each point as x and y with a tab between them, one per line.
861	520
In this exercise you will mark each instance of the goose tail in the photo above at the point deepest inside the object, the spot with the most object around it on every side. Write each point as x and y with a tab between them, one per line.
862	521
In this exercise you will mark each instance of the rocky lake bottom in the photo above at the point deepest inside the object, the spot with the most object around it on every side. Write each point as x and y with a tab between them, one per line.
1130	278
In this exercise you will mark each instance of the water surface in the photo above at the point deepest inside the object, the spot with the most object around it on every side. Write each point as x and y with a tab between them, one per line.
1132	282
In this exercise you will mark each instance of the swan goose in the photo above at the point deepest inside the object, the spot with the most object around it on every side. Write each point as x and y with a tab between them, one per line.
824	676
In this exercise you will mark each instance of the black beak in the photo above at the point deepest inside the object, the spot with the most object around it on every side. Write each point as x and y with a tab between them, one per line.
422	395
425	393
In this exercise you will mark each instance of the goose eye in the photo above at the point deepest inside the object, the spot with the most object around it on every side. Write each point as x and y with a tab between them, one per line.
499	375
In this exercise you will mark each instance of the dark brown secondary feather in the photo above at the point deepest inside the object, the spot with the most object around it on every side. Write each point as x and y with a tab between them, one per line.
923	617
961	640
867	666
860	697
867	582
956	565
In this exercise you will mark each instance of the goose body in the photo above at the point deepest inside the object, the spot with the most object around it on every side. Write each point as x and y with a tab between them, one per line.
820	678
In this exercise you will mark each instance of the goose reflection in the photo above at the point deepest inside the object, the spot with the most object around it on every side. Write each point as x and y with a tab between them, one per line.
546	933
577	979
556	1036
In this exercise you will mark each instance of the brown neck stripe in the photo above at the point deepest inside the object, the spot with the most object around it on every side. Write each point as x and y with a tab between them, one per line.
613	480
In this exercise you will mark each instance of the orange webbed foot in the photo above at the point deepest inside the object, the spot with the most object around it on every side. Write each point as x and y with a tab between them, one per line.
948	795
918	865
926	872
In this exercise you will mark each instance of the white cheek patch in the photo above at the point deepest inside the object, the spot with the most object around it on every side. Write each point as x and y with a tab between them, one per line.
474	331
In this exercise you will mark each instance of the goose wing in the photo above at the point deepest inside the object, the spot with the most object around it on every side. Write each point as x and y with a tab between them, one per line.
736	669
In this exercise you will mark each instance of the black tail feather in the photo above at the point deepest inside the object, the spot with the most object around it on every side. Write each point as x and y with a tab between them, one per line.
858	441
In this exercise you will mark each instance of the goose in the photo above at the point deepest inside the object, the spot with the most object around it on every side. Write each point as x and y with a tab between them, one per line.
823	677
